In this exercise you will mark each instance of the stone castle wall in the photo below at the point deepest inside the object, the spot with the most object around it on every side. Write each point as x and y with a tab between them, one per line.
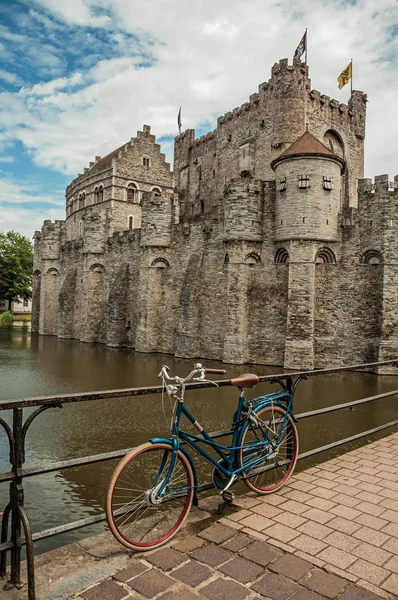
221	263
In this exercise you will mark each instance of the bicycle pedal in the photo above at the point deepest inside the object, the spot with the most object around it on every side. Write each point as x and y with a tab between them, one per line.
228	497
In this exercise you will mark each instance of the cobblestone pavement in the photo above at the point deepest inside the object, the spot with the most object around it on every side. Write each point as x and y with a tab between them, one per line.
332	532
222	563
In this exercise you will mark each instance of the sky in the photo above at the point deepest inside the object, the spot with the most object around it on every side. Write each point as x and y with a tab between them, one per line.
78	78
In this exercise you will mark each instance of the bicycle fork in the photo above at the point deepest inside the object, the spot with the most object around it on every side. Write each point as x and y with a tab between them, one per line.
157	489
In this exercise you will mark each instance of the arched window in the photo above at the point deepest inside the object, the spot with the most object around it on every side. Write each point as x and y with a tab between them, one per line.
371	257
160	263
325	255
53	272
132	193
97	268
131	222
157	191
333	140
281	256
100	193
252	259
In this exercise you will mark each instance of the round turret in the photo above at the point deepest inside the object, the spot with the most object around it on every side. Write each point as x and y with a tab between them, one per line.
243	210
308	191
288	89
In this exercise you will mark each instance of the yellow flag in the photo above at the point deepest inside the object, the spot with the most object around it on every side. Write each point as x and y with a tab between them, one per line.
345	76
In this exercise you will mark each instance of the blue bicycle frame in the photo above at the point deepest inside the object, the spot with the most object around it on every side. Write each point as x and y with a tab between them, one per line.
230	455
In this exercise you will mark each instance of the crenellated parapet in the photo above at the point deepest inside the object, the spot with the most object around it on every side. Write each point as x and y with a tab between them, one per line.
49	240
381	183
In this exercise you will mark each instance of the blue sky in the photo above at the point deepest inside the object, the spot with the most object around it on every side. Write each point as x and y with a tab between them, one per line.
79	78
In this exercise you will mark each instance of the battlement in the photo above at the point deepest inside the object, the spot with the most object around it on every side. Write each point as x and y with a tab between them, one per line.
205	138
324	99
281	87
381	183
282	67
48	225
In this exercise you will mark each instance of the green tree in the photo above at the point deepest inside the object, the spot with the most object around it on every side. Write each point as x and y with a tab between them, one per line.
16	264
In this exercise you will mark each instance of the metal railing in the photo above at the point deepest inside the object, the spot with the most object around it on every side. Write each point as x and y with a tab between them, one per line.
17	436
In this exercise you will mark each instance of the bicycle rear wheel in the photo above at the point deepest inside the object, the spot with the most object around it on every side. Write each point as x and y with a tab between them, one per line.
137	516
278	436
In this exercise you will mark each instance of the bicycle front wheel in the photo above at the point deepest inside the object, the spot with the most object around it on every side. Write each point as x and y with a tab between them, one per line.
273	441
138	516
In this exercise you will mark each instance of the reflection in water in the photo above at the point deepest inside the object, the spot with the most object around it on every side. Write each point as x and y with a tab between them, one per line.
40	365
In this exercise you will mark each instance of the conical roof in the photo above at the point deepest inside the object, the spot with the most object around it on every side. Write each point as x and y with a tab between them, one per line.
307	145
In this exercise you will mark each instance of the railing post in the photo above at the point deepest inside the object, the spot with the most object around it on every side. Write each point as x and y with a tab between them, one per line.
290	387
16	498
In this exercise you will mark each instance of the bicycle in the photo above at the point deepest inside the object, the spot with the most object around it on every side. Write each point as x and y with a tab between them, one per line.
153	487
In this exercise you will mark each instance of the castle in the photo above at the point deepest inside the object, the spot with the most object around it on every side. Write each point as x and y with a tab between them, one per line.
265	245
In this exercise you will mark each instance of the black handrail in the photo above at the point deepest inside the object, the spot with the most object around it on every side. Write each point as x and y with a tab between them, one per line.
17	434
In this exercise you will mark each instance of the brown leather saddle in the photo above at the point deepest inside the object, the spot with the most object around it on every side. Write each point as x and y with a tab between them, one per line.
247	380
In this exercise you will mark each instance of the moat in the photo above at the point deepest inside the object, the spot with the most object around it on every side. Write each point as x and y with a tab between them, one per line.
32	365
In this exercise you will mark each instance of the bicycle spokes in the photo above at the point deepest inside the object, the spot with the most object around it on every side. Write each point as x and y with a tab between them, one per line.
141	514
270	448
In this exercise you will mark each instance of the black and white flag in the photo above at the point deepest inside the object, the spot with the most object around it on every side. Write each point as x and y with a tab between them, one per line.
302	47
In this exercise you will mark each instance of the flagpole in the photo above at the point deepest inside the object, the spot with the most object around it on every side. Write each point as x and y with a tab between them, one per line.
306	45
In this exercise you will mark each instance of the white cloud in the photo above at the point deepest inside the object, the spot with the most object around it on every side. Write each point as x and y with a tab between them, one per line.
26	192
208	57
26	220
10	77
44	89
78	12
24	207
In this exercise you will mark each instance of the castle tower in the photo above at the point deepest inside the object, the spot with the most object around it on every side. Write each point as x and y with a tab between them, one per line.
243	236
287	95
378	211
47	277
155	279
243	210
308	201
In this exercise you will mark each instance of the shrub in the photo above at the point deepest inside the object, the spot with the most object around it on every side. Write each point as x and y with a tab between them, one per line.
6	318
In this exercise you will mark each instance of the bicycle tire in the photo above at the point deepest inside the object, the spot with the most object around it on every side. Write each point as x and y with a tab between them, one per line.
134	519
281	465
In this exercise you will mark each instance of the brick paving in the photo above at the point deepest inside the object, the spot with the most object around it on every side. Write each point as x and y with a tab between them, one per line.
331	533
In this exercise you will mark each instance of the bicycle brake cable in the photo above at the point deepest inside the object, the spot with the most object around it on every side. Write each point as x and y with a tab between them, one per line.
163	409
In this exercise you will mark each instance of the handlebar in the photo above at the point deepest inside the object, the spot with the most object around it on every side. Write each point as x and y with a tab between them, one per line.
198	370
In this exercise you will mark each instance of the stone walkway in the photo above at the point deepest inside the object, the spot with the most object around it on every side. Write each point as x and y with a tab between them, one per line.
331	533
